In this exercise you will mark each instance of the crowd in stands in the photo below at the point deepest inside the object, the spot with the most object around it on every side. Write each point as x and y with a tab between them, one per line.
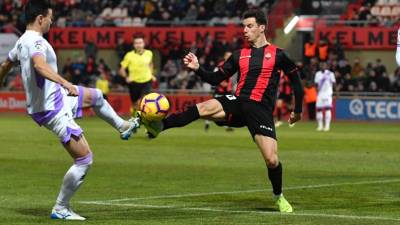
350	76
383	13
86	69
98	13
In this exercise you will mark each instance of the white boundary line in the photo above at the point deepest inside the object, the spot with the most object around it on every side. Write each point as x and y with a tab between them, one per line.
244	191
207	209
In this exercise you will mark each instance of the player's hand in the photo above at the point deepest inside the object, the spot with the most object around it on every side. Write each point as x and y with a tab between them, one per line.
127	80
190	61
72	90
294	117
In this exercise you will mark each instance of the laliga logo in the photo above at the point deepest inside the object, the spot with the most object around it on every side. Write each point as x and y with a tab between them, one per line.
356	107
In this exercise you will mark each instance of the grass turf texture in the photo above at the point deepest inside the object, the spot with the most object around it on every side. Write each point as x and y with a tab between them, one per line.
347	176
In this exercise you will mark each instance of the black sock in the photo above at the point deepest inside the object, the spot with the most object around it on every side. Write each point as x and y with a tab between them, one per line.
275	176
181	119
279	114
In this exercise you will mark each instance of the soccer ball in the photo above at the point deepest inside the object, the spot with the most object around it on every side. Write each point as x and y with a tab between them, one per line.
154	107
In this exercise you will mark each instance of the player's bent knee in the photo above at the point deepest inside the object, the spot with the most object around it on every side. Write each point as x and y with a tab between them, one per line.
86	160
208	108
272	162
95	97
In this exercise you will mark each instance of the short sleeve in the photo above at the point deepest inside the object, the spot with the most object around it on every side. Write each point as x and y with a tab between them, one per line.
286	64
333	79
12	54
125	61
38	47
317	77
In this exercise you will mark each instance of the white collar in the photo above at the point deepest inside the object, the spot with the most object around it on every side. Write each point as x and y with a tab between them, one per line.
33	32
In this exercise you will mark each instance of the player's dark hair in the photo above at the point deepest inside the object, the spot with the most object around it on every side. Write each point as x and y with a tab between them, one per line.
258	14
136	36
35	8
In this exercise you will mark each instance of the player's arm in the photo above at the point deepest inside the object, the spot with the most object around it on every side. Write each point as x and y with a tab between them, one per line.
398	48
297	86
5	67
122	69
45	70
213	78
291	70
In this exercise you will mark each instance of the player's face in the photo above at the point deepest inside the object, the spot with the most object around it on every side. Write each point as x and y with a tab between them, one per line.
251	30
46	21
138	44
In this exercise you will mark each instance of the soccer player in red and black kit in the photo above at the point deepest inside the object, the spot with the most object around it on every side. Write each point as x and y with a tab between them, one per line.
253	103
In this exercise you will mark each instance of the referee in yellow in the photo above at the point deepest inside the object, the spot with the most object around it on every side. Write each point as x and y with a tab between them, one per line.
139	63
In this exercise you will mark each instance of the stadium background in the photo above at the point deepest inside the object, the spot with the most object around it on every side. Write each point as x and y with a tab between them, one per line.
356	38
346	176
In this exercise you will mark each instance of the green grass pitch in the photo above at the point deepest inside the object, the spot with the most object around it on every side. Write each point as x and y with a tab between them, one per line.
350	175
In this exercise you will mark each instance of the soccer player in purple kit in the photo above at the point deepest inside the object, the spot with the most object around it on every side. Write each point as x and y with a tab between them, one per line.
54	103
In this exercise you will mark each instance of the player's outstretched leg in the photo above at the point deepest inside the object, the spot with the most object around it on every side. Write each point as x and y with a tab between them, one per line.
268	147
73	179
94	98
211	109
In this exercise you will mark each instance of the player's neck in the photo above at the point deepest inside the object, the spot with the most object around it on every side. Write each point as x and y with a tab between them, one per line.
140	52
260	42
34	29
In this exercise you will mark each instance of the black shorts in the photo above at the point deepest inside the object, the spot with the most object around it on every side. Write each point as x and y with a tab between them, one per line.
138	90
239	113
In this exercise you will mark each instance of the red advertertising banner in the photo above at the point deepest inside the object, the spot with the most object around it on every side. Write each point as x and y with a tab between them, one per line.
15	102
12	102
157	37
359	37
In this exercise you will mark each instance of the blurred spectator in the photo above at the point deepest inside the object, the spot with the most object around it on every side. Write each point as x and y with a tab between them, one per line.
379	67
103	84
309	50
168	72
90	49
122	48
79	71
310	98
68	70
323	50
90	71
357	69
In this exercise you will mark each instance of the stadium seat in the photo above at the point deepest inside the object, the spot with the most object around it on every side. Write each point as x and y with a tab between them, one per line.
118	22
376	10
61	22
395	11
106	11
126	22
116	12
137	22
124	12
386	11
382	2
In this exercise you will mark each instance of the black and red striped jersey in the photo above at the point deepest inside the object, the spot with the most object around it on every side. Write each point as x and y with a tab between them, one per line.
259	72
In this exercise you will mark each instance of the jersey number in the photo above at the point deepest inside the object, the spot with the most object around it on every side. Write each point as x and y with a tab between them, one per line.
230	97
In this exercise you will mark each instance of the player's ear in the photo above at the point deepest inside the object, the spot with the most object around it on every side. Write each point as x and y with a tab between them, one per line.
262	28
